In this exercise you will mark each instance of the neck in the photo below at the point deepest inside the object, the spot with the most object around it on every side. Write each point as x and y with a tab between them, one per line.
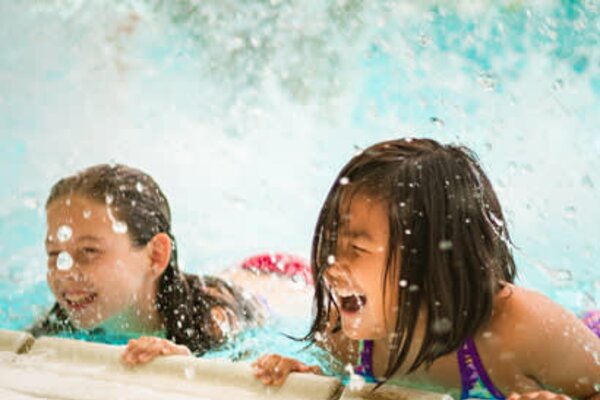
141	317
383	350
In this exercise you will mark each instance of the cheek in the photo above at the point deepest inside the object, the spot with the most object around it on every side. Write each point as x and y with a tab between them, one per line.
51	279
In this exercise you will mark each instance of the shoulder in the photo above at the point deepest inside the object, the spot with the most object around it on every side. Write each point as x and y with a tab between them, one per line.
520	309
523	317
539	333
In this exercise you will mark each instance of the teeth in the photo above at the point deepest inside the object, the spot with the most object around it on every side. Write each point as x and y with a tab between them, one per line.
77	298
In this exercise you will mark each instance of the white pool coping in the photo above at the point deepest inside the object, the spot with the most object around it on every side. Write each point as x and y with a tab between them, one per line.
64	369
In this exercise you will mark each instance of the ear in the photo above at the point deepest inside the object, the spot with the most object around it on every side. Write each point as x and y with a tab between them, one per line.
160	253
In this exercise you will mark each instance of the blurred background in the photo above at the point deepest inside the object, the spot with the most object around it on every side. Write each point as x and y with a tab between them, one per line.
245	111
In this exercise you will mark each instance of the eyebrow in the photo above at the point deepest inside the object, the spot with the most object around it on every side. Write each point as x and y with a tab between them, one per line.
84	238
357	234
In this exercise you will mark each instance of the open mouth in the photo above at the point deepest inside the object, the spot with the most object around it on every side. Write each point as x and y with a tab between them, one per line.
352	303
78	302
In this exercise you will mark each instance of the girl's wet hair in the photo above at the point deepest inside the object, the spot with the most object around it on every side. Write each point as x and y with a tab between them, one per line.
448	242
137	200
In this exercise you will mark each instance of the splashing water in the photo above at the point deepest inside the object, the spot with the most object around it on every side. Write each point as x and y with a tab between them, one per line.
64	261
355	381
64	233
117	226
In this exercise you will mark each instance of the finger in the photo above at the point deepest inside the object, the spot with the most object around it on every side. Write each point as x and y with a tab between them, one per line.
146	357
260	362
271	362
131	353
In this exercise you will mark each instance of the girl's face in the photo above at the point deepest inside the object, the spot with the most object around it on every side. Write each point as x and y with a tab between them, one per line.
94	271
356	276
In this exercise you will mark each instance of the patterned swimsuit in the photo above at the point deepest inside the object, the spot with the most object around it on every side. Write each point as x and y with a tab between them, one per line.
476	383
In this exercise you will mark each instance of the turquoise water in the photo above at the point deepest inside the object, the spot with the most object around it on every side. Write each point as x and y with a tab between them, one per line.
245	112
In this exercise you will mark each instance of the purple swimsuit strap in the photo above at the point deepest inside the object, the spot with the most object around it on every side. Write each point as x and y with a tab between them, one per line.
365	366
471	369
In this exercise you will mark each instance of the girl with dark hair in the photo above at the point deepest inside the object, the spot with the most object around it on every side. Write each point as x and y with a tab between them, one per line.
112	264
414	277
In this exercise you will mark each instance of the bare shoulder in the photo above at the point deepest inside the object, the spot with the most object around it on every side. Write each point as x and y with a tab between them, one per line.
524	317
540	333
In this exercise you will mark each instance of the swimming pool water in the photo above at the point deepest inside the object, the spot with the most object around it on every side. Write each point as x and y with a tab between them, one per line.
245	112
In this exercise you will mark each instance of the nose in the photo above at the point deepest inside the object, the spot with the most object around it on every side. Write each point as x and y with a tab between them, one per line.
72	274
338	275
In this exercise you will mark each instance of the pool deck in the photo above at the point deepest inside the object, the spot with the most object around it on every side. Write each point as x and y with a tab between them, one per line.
63	369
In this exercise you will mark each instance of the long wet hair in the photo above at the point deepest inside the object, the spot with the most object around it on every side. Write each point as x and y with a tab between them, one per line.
137	200
449	248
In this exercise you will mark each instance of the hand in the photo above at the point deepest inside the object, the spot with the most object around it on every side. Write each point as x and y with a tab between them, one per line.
539	395
273	369
145	349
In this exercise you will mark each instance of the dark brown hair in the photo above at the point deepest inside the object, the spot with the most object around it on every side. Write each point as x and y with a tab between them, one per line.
448	242
137	200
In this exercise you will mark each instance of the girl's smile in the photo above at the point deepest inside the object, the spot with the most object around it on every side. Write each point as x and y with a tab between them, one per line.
356	277
106	276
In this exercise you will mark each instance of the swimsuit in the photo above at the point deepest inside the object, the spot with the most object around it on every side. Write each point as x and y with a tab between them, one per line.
476	383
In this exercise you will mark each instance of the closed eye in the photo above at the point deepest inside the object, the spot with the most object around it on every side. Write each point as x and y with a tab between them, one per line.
359	249
52	254
90	250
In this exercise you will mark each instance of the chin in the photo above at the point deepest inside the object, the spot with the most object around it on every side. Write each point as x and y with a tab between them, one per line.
355	333
361	332
85	323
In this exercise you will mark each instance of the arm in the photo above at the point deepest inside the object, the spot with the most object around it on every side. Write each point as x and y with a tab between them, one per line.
559	351
147	348
273	369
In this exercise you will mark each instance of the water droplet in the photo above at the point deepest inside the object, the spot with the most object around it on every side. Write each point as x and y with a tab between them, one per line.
331	259
558	84
139	187
189	372
109	198
344	180
570	212
64	233
119	227
64	261
407	232
403	283
557	275
442	325
31	202
467	220
413	288
496	220
439	123
87	214
402	204
445	245
587	301
586	180
487	81
356	382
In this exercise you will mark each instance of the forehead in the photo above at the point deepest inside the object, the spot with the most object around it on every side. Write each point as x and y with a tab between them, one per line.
82	215
362	212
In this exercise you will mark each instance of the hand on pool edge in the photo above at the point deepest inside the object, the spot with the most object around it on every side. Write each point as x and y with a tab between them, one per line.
147	348
538	395
273	369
